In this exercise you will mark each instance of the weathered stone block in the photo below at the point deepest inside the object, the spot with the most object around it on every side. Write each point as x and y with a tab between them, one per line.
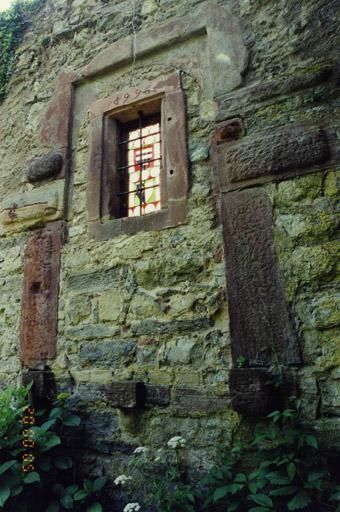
55	129
97	281
110	354
179	351
78	308
232	129
150	327
34	207
113	305
125	395
272	154
143	306
91	331
156	395
192	402
259	320
252	392
101	432
47	166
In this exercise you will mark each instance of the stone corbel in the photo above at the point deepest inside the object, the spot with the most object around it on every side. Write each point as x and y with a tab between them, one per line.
47	166
130	395
32	208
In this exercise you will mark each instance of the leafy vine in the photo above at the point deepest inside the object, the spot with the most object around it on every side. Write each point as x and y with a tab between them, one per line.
13	23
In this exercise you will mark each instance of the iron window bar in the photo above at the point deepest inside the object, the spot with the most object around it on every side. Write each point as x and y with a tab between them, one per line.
140	162
143	137
133	191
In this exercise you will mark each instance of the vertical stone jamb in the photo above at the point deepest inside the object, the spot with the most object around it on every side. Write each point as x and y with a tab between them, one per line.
40	296
260	327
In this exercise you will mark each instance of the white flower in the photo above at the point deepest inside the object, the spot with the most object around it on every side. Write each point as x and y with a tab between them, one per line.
177	442
122	479
140	449
132	507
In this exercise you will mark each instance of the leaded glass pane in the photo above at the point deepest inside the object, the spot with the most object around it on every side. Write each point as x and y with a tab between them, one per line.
143	168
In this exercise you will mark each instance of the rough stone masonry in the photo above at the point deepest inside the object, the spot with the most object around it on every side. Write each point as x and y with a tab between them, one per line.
175	329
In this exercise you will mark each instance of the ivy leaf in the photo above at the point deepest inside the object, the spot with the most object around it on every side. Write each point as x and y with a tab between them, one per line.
316	475
220	492
275	415
32	477
47	425
5	493
80	495
95	507
277	479
63	462
261	499
67	502
71	489
259	509
189	496
56	413
72	421
252	488
99	483
312	441
88	485
301	500
240	478
291	470
51	443
7	465
335	496
283	491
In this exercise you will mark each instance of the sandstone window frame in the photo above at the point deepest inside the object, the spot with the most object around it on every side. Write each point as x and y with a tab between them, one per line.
166	96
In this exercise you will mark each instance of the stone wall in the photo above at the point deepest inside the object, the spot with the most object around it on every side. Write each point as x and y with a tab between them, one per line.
152	307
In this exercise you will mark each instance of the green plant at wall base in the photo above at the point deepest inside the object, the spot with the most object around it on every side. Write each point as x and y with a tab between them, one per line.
158	478
13	23
281	469
241	362
50	485
289	471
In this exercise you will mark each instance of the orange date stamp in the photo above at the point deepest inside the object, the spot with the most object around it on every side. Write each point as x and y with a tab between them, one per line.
28	457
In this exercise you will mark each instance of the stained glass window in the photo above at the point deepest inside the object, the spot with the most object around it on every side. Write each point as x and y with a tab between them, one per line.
141	166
